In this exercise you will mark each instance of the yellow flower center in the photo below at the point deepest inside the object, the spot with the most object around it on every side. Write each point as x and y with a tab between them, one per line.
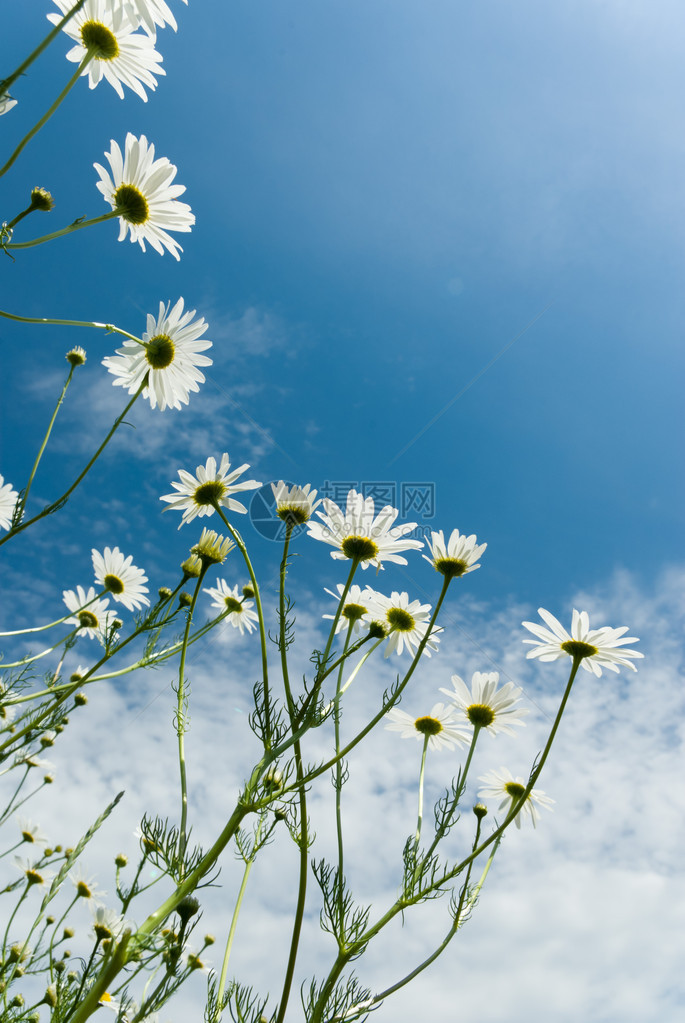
400	619
514	789
354	612
160	351
87	620
114	584
131	204
100	40
451	568
576	648
360	547
428	726
209	492
480	714
233	605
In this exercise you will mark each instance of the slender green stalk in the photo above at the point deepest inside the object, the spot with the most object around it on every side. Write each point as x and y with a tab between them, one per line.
322	768
8	82
302	795
27	489
339	785
419	819
29	659
50	111
76	226
60	500
180	722
458	794
234	921
260	614
108	327
463	903
339	610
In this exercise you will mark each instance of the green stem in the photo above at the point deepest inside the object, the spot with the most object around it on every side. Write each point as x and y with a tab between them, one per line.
76	226
49	112
457	795
180	722
339	786
109	327
60	500
419	820
260	614
302	795
8	82
339	610
234	922
27	489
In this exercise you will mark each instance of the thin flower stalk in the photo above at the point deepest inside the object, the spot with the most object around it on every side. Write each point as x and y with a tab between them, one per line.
109	327
48	113
77	225
27	489
301	791
60	500
180	722
8	82
258	603
234	919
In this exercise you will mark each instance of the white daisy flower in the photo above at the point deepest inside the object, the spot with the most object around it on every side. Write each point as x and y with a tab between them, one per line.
441	727
196	494
106	923
32	870
30	760
6	102
486	705
120	577
456	557
86	887
239	611
407	621
8	500
597	647
168	360
140	190
502	783
357	534
91	614
355	609
294	504
30	832
107	1002
150	13
106	30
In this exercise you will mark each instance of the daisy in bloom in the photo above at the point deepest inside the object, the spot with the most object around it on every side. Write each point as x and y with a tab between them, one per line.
105	31
140	190
30	832
456	557
8	500
502	783
238	610
357	534
355	609
91	612
486	706
86	887
6	102
120	577
149	13
196	494
294	504
32	871
440	728
167	360
598	648
106	923
406	621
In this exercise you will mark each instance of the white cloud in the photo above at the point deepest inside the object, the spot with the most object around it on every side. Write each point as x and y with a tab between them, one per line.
579	919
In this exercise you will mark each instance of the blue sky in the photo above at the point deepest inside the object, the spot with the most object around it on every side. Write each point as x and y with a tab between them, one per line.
387	195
